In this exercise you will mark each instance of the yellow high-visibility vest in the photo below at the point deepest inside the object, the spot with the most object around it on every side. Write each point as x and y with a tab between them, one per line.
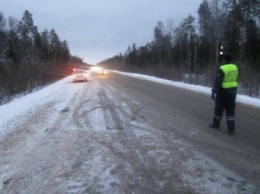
230	76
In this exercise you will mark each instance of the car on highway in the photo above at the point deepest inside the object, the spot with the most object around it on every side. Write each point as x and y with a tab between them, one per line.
102	71
79	75
99	70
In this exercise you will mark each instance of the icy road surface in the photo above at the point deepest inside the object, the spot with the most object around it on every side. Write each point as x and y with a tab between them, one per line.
91	137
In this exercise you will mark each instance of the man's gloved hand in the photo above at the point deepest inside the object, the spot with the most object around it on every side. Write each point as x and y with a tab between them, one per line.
213	94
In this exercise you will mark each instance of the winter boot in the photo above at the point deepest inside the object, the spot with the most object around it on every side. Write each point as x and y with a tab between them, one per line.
231	131
216	123
231	126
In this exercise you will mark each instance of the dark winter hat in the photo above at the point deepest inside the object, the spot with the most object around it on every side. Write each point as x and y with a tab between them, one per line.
227	57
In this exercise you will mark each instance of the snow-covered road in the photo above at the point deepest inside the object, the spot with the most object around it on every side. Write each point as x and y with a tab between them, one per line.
92	138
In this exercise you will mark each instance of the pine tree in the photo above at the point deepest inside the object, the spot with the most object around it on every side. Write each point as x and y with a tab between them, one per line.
3	41
27	32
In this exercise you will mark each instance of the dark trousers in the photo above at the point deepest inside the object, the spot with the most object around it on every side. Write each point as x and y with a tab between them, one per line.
225	101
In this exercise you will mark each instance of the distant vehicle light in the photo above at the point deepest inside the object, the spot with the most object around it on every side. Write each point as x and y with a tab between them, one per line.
95	68
102	72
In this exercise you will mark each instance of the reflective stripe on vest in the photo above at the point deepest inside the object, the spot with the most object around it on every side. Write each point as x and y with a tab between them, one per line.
230	76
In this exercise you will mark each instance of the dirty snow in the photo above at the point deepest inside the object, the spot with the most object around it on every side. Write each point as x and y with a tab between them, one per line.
55	92
199	171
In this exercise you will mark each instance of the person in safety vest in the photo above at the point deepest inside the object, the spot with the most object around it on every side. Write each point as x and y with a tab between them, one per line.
224	93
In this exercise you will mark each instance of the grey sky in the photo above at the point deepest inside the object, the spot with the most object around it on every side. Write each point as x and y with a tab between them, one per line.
99	29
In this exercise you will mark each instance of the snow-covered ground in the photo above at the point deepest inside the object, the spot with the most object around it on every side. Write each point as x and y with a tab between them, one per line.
14	110
93	138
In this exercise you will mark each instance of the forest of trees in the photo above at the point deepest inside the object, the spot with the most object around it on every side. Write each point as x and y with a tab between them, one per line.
190	52
28	58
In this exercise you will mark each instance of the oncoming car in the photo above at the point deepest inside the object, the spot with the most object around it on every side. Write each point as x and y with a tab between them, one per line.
99	70
102	72
79	75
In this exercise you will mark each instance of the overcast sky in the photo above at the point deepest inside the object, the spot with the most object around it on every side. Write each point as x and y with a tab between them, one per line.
99	29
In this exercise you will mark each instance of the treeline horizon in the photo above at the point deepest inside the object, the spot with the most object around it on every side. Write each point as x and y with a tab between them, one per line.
28	58
190	52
